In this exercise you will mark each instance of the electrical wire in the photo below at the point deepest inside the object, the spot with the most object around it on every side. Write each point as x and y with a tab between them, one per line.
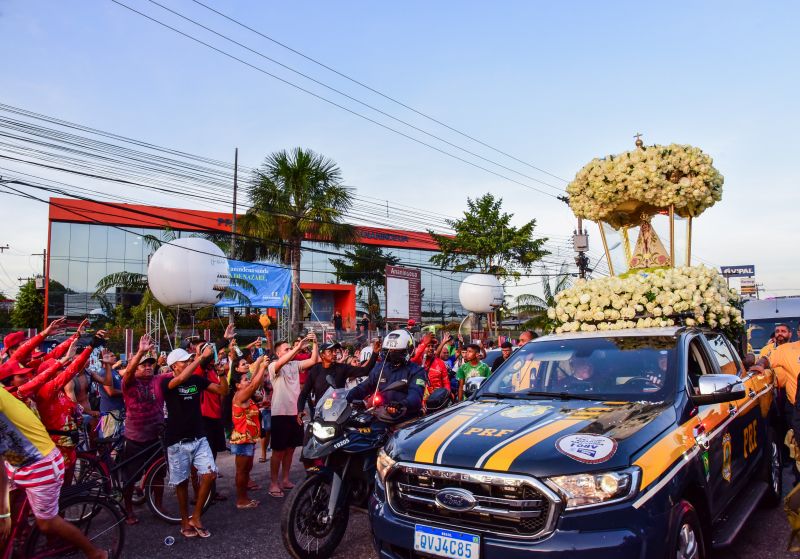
384	95
334	103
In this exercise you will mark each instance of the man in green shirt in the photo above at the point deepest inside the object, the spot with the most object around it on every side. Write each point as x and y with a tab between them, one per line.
472	367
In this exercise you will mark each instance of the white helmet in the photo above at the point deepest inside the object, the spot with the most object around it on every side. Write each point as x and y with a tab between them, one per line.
398	339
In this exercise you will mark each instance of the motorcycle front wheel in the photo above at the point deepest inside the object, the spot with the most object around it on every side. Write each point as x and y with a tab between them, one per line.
308	531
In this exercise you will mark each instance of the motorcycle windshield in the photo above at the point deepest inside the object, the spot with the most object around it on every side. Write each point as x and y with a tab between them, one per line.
333	406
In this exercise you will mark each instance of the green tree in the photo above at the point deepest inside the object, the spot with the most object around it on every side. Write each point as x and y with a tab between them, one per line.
5	316
486	242
296	195
534	307
29	308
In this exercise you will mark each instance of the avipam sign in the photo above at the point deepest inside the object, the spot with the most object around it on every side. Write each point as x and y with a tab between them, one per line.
743	271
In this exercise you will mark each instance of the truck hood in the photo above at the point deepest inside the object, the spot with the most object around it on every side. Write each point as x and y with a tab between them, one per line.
536	437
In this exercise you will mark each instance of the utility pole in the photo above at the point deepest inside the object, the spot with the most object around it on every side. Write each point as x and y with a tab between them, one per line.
3	249
45	285
232	250
580	243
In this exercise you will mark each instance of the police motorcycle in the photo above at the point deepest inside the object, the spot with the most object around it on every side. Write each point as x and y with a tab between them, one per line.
346	437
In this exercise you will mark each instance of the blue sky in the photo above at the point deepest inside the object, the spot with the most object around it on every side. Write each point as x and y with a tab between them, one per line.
554	83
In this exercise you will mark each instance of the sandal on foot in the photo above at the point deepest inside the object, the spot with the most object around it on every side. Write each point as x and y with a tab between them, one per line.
251	505
262	459
276	493
202	532
190	532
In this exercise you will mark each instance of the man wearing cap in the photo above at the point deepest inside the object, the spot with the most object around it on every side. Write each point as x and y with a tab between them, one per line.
317	379
210	403
505	352
187	446
144	416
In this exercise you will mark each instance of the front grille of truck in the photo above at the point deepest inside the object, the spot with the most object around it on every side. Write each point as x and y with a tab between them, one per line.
505	503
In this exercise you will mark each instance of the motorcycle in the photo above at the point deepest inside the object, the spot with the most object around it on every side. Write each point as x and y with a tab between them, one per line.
346	438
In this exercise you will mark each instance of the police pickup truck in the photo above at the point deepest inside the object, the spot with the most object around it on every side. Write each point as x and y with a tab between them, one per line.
643	443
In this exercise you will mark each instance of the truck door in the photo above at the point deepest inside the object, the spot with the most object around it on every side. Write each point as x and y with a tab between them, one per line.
711	429
748	428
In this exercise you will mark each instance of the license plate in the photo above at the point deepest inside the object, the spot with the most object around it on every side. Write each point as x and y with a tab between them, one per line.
446	543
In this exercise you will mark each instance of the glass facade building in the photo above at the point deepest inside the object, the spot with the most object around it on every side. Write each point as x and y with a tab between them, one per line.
88	242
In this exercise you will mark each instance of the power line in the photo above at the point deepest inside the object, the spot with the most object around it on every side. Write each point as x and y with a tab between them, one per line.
373	90
334	103
348	96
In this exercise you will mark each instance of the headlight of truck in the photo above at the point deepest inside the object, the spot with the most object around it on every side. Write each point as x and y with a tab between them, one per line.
323	432
597	488
384	465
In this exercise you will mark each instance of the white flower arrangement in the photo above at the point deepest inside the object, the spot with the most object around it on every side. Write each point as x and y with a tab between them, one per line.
645	179
649	299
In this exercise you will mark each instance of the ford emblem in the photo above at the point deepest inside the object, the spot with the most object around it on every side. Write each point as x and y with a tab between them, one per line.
455	499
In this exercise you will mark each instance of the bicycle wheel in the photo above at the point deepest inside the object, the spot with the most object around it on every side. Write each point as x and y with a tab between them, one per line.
98	518
161	497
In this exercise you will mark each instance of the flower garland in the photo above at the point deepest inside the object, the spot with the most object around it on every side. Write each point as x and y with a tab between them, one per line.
656	298
651	178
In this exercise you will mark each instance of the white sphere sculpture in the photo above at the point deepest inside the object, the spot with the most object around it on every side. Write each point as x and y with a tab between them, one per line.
188	272
480	293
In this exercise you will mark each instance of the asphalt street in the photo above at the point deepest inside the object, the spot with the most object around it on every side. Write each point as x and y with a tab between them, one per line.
256	532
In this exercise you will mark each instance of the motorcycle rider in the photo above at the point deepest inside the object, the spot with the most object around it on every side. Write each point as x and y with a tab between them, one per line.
401	405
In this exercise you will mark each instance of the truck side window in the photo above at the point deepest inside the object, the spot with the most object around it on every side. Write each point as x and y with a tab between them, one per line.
696	365
729	363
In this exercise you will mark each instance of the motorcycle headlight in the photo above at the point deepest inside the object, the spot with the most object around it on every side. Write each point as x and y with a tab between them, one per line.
596	488
384	465
323	432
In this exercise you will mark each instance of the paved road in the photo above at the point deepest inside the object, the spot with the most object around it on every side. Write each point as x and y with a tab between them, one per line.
256	532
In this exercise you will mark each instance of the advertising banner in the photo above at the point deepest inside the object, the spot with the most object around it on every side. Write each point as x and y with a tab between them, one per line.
743	271
272	284
403	294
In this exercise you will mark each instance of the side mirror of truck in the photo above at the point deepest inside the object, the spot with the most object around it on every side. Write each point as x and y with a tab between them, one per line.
717	389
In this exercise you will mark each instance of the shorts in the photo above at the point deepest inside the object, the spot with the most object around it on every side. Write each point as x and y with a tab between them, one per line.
244	449
286	433
215	434
182	456
266	421
135	468
42	482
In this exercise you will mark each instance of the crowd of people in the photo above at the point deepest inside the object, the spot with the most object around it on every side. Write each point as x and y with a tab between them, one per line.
199	399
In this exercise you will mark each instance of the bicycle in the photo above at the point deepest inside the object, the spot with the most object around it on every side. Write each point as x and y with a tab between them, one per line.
85	506
99	464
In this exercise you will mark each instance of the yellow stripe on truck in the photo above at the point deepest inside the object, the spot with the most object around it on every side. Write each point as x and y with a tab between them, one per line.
505	456
427	450
662	455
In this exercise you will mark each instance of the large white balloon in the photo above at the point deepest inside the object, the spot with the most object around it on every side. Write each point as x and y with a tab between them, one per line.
480	293
188	272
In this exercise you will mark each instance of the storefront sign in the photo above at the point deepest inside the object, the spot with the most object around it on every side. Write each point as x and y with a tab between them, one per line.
744	271
403	293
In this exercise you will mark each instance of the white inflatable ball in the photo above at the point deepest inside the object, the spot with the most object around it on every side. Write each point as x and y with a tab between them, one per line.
480	293
188	272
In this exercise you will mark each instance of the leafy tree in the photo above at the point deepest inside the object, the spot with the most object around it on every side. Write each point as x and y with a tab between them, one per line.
29	309
296	195
485	241
5	315
535	308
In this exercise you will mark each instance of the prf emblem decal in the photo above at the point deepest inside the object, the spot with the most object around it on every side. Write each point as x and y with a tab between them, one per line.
328	404
726	457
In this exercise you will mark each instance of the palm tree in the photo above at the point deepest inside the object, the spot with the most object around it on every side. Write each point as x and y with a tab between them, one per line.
535	307
296	195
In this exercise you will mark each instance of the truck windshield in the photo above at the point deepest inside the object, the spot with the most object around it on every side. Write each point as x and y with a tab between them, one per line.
619	368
